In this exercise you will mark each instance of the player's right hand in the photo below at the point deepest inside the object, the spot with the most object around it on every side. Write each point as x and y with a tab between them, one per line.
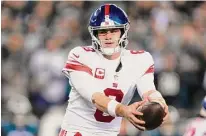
130	111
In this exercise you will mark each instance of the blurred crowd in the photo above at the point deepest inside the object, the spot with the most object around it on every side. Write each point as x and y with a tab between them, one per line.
37	36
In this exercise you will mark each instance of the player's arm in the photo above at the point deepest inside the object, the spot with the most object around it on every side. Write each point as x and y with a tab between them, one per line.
80	75
145	84
114	108
91	90
146	87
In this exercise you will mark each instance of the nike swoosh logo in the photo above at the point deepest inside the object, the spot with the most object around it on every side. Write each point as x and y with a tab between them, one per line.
77	56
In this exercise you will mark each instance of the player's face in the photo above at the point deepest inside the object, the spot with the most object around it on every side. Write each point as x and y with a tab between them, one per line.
109	38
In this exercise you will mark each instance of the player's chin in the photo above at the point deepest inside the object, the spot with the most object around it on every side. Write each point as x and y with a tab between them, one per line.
108	45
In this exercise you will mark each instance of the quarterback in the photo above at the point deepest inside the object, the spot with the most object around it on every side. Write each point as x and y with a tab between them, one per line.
104	76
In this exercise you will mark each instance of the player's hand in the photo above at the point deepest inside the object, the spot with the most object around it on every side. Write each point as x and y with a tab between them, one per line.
129	112
162	102
166	118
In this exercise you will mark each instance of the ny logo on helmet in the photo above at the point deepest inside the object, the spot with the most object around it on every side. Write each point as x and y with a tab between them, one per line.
108	22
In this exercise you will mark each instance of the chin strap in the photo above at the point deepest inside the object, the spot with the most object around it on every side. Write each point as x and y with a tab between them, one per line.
110	51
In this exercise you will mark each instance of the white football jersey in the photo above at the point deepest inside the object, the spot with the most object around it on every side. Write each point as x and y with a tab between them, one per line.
89	72
196	128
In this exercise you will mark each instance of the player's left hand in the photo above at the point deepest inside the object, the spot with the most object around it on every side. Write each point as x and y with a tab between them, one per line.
130	112
166	118
162	102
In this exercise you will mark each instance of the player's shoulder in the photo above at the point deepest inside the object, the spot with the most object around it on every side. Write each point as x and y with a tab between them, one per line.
139	59
82	50
138	54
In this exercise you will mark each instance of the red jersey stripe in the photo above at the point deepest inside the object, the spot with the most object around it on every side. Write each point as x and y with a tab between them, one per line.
106	10
78	134
150	69
79	68
74	61
65	133
62	132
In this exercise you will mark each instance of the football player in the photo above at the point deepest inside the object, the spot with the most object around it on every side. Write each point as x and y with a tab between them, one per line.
197	127
104	77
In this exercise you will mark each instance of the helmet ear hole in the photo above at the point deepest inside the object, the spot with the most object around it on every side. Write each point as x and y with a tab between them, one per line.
95	32
122	31
124	43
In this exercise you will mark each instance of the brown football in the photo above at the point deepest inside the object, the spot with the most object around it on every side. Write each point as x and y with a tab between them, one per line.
153	115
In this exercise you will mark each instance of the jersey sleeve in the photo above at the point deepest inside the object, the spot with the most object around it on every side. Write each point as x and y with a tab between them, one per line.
80	75
76	61
146	81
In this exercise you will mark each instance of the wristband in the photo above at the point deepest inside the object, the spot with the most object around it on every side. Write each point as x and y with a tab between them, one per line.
111	107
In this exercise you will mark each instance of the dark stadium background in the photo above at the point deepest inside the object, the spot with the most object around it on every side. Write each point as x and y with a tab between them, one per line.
37	36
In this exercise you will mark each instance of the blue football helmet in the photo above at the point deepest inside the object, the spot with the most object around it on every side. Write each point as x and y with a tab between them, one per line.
109	16
203	109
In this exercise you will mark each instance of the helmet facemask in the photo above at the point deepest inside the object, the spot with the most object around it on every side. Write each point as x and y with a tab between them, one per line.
122	42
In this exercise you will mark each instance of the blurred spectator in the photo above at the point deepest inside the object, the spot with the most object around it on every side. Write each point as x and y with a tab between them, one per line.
6	21
197	125
35	36
17	7
48	86
191	66
14	74
44	11
17	118
54	114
